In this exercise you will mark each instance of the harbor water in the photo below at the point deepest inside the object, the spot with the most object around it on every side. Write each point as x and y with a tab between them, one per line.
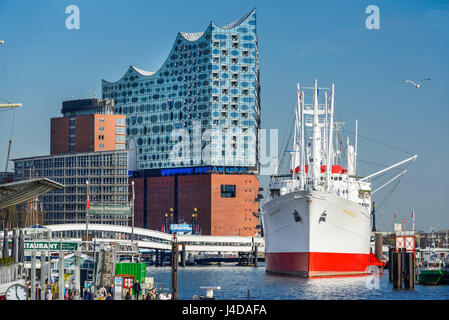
236	282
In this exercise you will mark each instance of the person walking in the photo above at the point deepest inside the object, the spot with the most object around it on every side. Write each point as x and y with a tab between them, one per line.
111	290
38	292
127	296
136	289
83	294
89	295
49	295
109	297
103	292
66	292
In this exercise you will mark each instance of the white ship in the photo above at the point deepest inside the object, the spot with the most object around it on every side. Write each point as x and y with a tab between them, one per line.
318	220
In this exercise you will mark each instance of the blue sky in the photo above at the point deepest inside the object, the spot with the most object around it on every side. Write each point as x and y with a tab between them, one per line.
298	42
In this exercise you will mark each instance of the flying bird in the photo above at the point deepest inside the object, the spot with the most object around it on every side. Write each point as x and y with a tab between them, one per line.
416	85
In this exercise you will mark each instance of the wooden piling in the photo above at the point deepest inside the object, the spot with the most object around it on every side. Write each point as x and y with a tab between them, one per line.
183	255
409	270
397	270
162	259
255	255
390	264
174	268
378	246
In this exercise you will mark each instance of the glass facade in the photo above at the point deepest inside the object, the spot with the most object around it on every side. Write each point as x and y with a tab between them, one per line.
202	107
107	172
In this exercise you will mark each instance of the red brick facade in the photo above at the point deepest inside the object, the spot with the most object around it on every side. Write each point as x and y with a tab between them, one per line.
217	215
96	132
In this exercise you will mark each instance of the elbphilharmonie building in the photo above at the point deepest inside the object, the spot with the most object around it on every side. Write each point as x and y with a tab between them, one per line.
201	109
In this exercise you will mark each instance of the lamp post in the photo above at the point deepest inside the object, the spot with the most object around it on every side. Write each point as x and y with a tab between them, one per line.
166	223
133	198
171	216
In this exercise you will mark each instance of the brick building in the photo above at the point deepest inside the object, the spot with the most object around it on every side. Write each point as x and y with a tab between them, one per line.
87	125
225	203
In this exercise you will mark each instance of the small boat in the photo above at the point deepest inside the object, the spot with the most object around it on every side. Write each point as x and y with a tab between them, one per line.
434	271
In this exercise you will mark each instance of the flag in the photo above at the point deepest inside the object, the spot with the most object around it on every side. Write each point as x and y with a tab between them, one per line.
394	215
87	201
300	96
413	214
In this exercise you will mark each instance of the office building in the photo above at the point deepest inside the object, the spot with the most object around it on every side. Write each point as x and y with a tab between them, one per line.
107	172
87	125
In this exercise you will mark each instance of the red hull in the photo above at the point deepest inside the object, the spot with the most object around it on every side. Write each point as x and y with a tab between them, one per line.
312	264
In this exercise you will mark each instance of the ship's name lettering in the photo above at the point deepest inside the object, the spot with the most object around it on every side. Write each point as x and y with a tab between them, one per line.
350	213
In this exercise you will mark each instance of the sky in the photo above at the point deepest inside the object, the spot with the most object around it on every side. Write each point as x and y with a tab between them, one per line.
299	41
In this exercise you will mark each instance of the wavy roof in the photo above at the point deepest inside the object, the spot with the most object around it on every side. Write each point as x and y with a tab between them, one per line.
191	36
143	72
238	21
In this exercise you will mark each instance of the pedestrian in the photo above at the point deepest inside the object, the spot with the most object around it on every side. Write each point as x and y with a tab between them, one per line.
83	294
38	292
66	292
72	295
127	296
136	289
89	295
109	297
49	295
111	290
103	292
148	296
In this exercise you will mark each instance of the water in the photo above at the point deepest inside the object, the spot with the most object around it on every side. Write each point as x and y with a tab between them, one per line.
235	282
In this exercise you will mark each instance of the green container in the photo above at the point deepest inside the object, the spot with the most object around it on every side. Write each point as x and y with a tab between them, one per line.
138	270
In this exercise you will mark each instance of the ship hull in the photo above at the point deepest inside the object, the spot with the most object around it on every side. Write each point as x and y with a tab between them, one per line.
316	234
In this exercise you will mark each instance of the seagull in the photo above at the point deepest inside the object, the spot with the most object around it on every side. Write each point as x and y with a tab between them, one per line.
416	85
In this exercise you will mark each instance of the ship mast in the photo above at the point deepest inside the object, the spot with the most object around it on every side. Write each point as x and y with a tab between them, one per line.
316	142
329	160
303	156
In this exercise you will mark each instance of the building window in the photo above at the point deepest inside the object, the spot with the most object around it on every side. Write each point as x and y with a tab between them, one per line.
228	190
